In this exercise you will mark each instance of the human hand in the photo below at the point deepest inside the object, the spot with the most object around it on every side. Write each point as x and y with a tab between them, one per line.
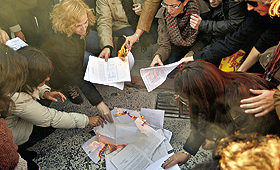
195	21
137	9
105	53
130	40
105	112
3	37
187	59
261	104
52	96
155	61
178	158
96	121
20	35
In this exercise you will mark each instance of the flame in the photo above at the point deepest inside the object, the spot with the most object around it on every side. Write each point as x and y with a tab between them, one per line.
94	144
123	51
120	112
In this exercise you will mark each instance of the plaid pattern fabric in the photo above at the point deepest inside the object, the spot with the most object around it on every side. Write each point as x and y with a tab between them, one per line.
187	36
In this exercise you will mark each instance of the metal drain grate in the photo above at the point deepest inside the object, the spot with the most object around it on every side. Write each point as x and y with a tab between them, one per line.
173	108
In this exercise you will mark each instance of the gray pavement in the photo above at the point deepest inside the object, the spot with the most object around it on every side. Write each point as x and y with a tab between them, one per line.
62	149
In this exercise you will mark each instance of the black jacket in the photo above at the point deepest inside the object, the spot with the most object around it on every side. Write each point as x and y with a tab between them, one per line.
67	55
224	19
268	37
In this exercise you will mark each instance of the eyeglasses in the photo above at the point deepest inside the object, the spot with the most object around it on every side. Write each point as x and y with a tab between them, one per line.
252	3
182	100
164	5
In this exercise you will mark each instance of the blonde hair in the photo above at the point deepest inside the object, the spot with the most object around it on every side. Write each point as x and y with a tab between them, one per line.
68	13
274	8
249	152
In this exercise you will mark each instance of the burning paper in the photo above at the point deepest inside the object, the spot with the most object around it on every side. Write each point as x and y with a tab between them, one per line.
122	131
140	144
92	148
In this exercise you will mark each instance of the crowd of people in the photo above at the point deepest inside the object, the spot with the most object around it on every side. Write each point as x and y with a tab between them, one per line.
227	109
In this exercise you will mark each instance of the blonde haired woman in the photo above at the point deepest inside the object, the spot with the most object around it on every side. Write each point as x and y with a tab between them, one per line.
70	19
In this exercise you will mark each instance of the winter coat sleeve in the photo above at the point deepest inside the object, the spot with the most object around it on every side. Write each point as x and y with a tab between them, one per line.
232	42
104	23
194	141
236	13
147	15
43	89
32	111
163	41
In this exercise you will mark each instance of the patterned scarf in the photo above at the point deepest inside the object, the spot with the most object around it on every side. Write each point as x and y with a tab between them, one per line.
274	64
180	31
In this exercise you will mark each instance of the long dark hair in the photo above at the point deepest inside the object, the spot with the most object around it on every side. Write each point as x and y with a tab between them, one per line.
39	66
204	85
13	74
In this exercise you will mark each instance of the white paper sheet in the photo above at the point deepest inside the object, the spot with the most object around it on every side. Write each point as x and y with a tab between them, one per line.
167	134
92	147
112	71
157	164
155	76
16	43
122	131
109	164
131	158
148	140
154	117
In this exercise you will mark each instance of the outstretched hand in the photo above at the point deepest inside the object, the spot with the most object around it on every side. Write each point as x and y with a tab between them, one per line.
105	53
261	104
157	61
105	112
53	95
178	158
130	40
96	121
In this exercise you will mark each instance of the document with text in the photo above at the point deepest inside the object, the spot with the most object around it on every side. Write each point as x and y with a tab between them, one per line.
102	72
155	76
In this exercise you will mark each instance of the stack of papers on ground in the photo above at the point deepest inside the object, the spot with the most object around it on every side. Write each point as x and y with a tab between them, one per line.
145	142
114	72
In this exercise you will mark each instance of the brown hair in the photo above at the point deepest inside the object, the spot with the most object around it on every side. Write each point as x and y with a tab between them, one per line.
68	13
13	74
204	85
39	67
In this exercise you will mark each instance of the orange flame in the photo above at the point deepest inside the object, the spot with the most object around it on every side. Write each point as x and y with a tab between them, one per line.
123	51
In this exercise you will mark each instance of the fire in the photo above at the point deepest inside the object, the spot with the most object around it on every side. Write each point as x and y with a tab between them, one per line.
95	144
120	112
123	51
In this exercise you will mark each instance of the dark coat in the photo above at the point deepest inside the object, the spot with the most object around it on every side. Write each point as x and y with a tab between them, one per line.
224	19
67	55
269	35
229	118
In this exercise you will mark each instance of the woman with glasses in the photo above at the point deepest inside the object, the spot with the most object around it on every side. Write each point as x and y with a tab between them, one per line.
213	97
175	35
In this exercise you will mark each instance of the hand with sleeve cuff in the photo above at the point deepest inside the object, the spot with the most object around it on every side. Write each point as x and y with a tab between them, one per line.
178	158
52	96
